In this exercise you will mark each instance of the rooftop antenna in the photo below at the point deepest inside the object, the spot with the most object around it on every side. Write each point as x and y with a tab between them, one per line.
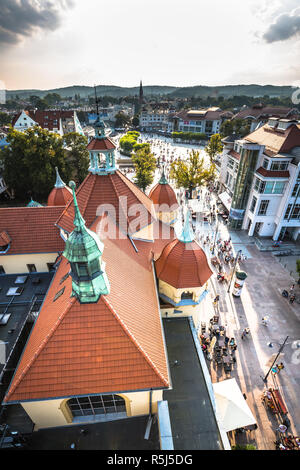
96	101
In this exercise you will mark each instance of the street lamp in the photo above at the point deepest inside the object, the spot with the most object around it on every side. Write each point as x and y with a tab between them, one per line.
265	379
236	259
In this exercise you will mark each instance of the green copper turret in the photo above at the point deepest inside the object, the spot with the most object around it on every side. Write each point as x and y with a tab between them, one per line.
84	251
163	179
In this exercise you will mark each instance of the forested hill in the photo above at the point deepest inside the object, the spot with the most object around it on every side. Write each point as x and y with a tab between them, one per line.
177	92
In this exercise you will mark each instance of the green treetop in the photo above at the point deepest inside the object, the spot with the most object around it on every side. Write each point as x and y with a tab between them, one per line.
193	172
144	164
214	146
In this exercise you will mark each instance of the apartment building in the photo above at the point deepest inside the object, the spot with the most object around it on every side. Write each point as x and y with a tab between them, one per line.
60	122
207	121
260	182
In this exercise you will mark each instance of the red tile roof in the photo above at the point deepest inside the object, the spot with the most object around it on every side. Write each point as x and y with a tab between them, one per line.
273	174
31	229
46	119
234	154
183	265
267	111
103	144
114	189
111	346
164	194
59	196
275	140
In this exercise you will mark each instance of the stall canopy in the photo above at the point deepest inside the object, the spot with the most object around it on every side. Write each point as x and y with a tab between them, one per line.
232	407
226	200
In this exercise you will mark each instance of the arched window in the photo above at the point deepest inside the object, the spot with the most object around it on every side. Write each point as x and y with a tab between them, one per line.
96	405
186	295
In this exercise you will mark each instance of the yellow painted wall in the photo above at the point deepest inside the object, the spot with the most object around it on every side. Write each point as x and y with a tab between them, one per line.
51	413
17	264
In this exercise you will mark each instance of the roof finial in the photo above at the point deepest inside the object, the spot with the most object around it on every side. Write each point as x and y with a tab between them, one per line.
163	179
59	182
187	234
79	221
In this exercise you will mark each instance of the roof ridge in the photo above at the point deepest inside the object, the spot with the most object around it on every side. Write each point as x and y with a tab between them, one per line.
120	204
134	340
40	348
122	176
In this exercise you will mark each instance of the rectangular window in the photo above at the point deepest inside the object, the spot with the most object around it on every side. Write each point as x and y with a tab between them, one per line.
295	190
279	187
279	166
265	163
263	207
287	212
230	163
296	212
253	204
31	268
269	187
50	267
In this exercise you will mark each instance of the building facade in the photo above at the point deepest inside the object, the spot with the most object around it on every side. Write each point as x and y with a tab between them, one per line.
259	180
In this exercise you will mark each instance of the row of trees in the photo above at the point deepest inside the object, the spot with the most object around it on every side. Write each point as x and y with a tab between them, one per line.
240	127
189	136
30	159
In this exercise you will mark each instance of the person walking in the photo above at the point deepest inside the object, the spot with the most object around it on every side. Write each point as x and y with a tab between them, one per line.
279	367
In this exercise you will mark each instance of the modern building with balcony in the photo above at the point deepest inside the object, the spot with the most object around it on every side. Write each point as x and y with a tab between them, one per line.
206	121
260	182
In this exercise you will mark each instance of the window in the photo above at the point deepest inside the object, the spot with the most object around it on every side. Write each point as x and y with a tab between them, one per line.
295	190
82	269
97	405
269	187
31	268
253	204
278	187
263	207
2	270
230	163
279	166
186	295
265	163
58	294
50	267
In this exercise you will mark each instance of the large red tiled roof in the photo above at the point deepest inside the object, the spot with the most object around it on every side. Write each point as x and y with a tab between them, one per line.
32	229
114	189
59	196
103	144
267	111
46	119
113	345
183	265
273	174
164	194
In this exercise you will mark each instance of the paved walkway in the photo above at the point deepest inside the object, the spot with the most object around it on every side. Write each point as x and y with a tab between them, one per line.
261	296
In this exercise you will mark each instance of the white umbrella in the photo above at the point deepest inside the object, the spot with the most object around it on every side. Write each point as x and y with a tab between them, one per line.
231	405
212	344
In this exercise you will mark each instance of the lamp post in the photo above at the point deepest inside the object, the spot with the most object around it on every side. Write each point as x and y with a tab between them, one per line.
236	259
280	350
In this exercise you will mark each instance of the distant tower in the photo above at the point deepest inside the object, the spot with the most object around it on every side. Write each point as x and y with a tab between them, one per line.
141	95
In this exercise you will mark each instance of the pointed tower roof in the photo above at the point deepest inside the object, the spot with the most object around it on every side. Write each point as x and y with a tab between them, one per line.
183	263
33	203
60	194
187	234
84	250
162	193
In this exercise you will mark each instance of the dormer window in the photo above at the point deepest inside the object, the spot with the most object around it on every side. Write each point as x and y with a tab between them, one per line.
265	163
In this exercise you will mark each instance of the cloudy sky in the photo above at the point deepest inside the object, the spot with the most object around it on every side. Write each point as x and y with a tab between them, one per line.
52	43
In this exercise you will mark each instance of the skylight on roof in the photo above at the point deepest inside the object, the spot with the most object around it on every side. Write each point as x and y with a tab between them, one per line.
58	294
21	279
15	291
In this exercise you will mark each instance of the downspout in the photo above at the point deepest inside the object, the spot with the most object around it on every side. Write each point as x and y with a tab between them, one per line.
150	402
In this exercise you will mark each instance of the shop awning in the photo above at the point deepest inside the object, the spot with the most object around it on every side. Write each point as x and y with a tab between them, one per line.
232	407
226	200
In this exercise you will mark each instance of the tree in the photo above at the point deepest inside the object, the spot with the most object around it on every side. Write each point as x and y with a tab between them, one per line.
298	267
121	119
5	119
145	165
240	127
135	120
193	172
79	155
52	98
29	162
37	102
214	146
